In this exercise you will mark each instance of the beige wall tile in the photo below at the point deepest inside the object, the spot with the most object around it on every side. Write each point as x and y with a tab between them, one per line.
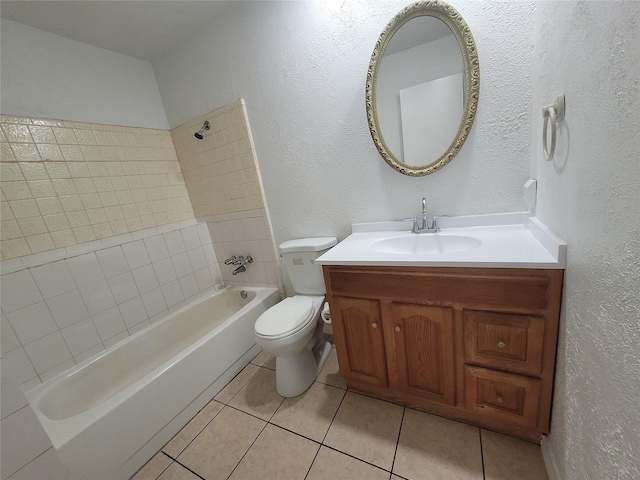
72	167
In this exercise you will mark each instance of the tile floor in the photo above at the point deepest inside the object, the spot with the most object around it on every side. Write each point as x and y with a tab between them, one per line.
250	432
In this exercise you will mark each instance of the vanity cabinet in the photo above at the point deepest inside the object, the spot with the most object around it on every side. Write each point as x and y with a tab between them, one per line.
473	344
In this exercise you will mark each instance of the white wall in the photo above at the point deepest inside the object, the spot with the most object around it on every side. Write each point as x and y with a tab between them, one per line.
301	68
49	76
590	196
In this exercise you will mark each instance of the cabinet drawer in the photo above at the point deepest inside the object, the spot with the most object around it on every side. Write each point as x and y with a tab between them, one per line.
503	341
502	397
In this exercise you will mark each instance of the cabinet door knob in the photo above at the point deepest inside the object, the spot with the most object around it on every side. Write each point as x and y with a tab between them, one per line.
397	329
500	399
374	325
501	344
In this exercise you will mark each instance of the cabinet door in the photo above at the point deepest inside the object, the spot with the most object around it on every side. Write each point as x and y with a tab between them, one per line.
359	340
424	344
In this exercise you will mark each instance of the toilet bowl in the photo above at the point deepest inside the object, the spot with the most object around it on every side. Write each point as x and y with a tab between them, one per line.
292	330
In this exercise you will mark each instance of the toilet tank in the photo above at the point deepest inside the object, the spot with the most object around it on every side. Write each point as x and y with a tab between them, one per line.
299	258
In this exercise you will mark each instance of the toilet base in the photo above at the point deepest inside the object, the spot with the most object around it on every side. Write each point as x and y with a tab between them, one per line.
296	373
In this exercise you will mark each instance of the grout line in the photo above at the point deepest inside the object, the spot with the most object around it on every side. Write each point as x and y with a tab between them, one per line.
197	434
334	417
185	467
250	446
404	409
356	458
484	476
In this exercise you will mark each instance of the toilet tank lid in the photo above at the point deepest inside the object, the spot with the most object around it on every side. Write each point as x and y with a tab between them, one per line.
308	244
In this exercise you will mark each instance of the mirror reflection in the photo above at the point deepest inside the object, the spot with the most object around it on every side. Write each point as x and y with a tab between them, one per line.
420	90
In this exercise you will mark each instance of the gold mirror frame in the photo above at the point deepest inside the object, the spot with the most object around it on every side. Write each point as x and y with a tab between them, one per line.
460	29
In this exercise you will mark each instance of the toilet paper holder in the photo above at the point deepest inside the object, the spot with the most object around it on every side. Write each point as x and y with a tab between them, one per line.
326	314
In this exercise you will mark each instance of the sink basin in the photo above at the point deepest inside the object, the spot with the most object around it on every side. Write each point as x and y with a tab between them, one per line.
426	243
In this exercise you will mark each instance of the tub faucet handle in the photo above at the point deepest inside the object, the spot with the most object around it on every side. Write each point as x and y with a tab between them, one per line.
231	260
243	260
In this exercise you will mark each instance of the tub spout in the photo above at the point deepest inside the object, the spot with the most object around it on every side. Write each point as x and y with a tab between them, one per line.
238	270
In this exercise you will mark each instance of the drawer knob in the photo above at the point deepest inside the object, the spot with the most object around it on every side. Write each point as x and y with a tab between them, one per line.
500	399
397	329
374	325
501	344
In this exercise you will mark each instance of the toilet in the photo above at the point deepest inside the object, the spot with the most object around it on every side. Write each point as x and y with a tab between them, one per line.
292	329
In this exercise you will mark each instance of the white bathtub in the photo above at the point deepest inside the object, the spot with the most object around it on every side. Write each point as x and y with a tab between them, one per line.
109	415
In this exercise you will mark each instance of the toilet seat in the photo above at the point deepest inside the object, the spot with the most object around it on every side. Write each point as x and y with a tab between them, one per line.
287	317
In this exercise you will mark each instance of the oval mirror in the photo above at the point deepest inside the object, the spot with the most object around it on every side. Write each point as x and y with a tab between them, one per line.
422	88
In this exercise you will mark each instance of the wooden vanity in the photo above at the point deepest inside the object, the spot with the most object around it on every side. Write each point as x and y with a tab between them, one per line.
473	344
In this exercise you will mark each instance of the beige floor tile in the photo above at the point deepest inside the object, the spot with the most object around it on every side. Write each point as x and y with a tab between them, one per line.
333	465
270	364
221	444
330	373
311	413
277	454
192	429
259	397
153	468
506	458
444	448
177	472
261	358
366	428
239	381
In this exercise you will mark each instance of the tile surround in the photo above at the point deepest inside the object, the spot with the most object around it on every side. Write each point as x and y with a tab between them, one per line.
61	312
223	180
226	439
220	171
65	183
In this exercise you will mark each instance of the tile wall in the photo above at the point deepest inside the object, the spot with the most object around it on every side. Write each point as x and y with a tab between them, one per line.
27	452
60	310
99	240
65	183
223	180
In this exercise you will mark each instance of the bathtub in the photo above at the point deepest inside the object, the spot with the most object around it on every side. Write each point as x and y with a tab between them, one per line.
110	414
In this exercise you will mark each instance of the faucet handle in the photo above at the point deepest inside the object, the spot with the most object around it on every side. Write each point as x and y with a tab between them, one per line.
415	227
231	260
434	221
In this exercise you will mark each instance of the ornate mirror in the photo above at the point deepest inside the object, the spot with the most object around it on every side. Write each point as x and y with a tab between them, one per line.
422	87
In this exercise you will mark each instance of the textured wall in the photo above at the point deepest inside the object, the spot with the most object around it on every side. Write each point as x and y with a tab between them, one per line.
301	66
590	196
49	76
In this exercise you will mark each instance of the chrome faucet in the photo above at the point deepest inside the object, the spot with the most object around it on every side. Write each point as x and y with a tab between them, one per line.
241	261
238	270
425	227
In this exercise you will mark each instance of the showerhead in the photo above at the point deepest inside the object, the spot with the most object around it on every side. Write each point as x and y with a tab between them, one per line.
206	126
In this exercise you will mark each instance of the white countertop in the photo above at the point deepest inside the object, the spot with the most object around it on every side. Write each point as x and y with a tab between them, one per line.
505	241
